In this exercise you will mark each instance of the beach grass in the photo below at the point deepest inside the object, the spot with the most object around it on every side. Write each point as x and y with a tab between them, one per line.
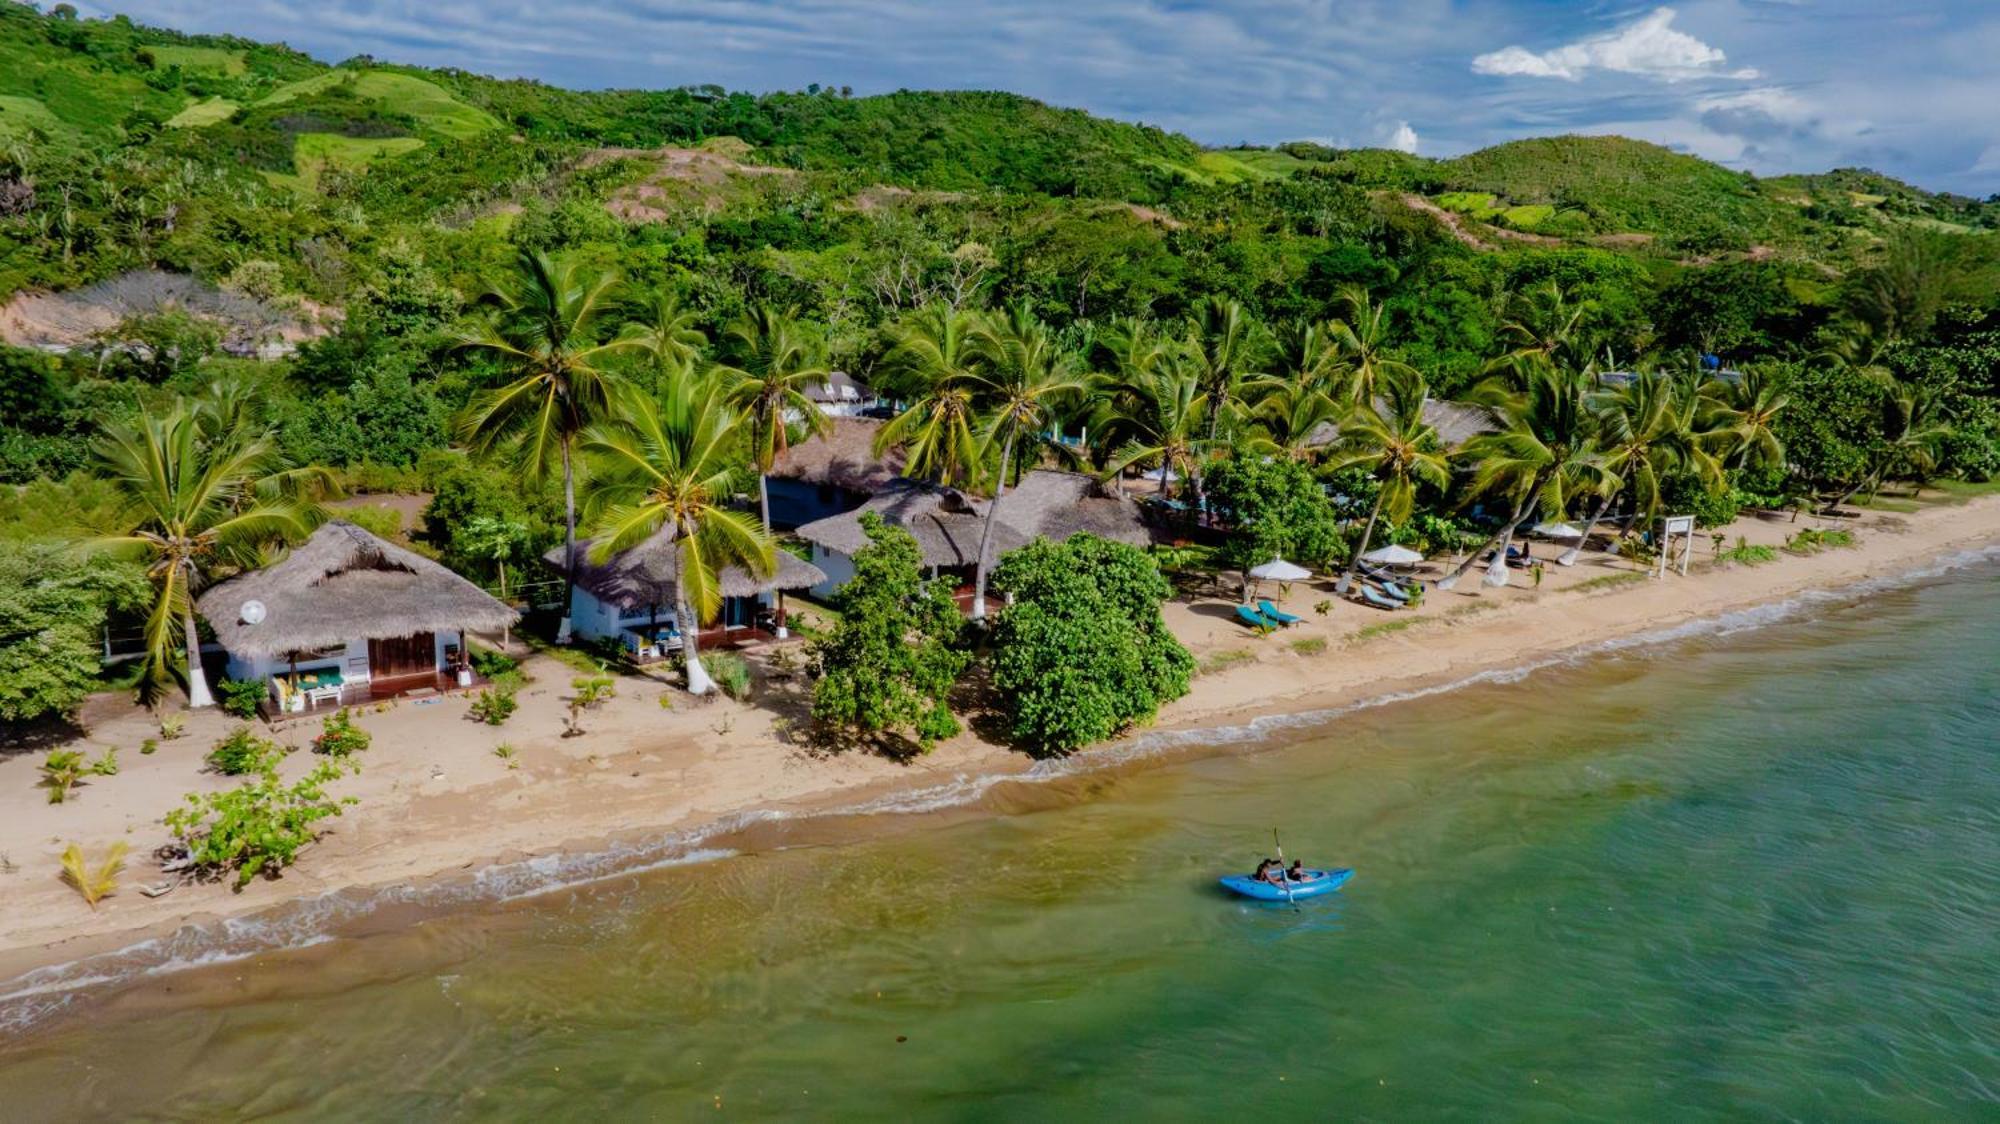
1309	645
1385	628
1958	491
1224	660
1606	581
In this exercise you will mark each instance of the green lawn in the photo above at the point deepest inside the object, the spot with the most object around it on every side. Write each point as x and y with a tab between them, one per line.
214	111
1527	216
1479	204
214	60
429	103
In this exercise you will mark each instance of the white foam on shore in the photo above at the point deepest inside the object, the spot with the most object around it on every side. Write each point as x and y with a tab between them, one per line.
30	998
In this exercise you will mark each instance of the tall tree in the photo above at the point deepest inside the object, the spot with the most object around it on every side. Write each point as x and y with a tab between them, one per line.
1388	437
1362	337
546	324
1225	349
194	500
937	353
668	331
1542	456
775	360
1027	373
1647	431
1747	409
667	461
1156	415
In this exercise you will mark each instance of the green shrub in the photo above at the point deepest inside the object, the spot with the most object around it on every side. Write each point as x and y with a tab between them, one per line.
261	825
1745	553
1812	540
240	697
494	706
62	768
730	673
339	736
490	664
243	752
149	747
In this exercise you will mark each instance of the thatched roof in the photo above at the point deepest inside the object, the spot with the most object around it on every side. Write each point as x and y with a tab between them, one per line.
645	574
1455	422
844	457
345	584
947	523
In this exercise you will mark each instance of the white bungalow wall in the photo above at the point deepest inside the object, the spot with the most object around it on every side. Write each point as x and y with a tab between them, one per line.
593	619
351	662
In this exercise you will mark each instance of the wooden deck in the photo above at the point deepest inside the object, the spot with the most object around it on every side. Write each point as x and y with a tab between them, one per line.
434	685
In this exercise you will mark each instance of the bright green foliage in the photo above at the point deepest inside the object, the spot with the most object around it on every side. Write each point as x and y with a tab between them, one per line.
1273	509
1082	652
240	697
261	825
888	665
243	752
52	613
494	705
731	673
339	736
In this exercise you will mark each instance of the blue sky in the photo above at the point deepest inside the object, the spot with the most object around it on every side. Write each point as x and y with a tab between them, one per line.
1911	87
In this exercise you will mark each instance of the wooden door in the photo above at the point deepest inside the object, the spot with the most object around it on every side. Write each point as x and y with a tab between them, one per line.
402	657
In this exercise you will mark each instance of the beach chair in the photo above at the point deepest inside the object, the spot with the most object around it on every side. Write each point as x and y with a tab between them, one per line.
1389	587
1372	597
1272	612
1254	619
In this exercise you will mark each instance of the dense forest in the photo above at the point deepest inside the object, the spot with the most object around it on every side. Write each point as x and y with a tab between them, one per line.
173	207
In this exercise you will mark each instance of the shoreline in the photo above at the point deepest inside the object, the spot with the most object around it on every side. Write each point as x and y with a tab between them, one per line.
359	881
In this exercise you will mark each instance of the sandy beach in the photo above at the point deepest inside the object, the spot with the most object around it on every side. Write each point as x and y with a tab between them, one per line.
436	801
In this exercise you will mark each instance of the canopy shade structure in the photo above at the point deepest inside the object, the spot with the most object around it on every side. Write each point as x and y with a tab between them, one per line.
1393	556
1558	531
1279	570
344	584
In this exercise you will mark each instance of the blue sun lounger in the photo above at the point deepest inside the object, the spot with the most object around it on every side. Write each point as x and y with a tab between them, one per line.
1272	612
1254	619
1370	596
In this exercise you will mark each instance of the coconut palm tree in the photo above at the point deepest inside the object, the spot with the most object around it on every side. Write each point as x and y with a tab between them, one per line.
1156	415
1224	349
1362	337
545	324
193	500
776	360
667	461
1647	431
1299	403
1389	437
1747	409
1545	328
938	351
1027	373
1542	456
667	331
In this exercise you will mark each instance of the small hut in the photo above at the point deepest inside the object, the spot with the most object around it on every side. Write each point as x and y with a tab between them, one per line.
346	617
829	473
630	596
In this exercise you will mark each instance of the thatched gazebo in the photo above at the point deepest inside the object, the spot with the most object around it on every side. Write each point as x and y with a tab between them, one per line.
633	589
351	616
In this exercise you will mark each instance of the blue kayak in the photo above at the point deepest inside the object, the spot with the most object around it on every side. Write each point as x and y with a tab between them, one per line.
1316	882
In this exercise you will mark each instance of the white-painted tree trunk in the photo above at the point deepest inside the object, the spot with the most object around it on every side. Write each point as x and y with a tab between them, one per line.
1569	557
986	533
1346	581
198	695
698	682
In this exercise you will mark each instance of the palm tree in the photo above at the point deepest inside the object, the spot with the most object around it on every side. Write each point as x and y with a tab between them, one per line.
1647	430
666	461
1546	328
667	331
1156	414
776	361
938	351
193	499
1026	373
1540	457
1747	409
1299	404
544	325
1224	349
1362	338
1390	439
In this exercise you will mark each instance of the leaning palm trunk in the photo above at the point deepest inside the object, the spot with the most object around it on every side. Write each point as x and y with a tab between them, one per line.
1569	557
698	682
1496	574
569	543
1341	587
986	533
764	498
198	695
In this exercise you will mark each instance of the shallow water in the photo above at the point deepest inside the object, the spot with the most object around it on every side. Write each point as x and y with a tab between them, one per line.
1754	874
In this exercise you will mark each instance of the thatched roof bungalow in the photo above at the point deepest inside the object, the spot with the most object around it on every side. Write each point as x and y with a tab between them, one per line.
351	611
947	523
634	590
829	473
1455	422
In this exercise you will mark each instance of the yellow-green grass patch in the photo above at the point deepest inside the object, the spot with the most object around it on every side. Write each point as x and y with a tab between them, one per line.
432	106
305	87
212	60
313	153
198	114
1527	216
20	114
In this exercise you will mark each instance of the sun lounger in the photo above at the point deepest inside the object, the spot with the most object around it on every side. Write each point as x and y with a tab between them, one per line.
1389	587
1254	619
1370	596
1272	612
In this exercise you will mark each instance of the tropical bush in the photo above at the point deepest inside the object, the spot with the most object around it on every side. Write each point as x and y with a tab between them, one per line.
240	697
1274	508
261	825
339	736
53	606
1082	652
243	752
730	672
494	705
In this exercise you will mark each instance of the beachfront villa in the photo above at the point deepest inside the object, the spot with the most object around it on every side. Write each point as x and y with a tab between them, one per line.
841	396
347	617
947	523
630	596
829	474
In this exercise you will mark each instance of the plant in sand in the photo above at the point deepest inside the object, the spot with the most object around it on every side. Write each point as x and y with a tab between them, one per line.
261	825
97	882
339	736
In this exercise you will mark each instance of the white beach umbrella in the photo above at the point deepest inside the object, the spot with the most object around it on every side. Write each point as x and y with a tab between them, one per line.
1279	570
1558	531
1393	556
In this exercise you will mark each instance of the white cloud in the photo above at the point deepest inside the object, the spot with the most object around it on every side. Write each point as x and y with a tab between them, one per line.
1651	47
1404	139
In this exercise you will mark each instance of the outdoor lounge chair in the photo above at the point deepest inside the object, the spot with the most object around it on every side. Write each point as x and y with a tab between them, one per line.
1272	612
1254	619
1370	596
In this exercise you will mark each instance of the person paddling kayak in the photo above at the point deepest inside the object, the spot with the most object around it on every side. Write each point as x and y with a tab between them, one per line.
1269	871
